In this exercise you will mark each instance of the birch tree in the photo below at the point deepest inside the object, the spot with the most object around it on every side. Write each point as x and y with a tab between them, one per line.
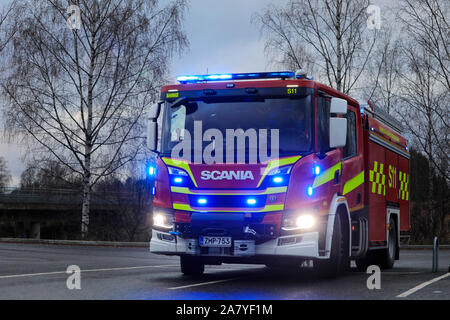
334	32
426	79
7	30
425	88
81	95
5	176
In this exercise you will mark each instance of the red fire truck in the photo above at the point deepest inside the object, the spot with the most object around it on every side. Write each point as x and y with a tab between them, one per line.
338	189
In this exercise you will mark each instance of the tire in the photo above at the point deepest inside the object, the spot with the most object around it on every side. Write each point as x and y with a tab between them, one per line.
191	266
386	257
363	263
339	261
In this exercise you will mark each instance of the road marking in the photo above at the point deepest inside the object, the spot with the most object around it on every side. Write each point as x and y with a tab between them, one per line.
89	270
422	285
203	284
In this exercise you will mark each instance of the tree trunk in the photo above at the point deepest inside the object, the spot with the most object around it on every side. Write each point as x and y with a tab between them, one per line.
86	202
339	47
87	188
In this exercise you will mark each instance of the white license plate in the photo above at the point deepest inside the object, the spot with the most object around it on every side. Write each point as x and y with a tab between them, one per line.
215	242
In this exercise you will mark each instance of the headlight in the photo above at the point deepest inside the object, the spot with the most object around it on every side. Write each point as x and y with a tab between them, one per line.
280	171
305	221
162	220
298	222
277	177
177	172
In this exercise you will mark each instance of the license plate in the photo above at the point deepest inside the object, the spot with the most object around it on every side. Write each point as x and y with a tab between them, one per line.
215	242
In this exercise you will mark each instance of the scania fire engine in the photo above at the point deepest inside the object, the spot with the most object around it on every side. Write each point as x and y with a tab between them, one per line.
333	188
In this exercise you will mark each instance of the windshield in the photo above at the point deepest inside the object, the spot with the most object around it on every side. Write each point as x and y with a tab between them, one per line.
291	117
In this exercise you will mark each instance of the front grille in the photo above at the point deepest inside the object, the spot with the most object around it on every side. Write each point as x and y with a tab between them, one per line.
227	201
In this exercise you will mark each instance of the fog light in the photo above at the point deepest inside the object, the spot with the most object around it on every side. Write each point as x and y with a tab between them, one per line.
202	201
305	221
251	201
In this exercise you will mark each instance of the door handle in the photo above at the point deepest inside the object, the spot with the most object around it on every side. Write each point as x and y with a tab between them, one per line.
336	177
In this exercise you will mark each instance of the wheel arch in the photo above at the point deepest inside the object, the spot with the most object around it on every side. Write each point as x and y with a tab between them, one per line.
393	213
339	206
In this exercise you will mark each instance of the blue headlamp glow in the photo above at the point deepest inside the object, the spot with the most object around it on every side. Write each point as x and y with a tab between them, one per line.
316	170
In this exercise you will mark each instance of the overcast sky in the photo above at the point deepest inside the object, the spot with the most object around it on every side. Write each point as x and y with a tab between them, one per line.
222	39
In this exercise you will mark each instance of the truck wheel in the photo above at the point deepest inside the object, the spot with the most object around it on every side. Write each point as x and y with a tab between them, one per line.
363	263
386	257
191	266
339	261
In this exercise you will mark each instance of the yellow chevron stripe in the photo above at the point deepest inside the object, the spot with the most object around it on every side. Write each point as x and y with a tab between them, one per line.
327	176
186	207
267	191
277	163
354	183
182	164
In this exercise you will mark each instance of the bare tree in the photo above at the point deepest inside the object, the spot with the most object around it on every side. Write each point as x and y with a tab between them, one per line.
333	31
427	24
81	95
7	30
425	80
382	80
5	176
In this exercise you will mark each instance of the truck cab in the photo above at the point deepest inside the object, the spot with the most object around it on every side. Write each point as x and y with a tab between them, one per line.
272	168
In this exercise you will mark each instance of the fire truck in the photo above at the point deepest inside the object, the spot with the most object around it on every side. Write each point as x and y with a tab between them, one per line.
336	190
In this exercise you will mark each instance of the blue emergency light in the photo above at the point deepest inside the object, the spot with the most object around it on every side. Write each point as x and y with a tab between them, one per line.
235	76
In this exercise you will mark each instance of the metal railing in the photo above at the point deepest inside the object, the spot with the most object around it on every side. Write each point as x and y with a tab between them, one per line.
63	196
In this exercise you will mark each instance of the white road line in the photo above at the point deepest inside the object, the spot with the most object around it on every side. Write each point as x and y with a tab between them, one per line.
89	270
422	285
202	284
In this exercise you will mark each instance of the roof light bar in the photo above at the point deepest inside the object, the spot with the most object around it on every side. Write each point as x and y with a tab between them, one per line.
235	76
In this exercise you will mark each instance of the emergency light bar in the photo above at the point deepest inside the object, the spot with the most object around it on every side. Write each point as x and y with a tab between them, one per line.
235	76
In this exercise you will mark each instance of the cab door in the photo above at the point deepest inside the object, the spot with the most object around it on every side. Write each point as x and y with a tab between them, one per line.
352	178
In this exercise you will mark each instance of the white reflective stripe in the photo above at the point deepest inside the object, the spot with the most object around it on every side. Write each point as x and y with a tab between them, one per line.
422	285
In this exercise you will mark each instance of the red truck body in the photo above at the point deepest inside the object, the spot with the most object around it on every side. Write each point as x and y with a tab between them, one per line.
365	183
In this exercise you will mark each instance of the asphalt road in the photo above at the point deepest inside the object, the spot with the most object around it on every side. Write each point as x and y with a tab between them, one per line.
39	272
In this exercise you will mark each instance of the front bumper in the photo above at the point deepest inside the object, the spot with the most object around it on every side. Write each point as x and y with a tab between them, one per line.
303	245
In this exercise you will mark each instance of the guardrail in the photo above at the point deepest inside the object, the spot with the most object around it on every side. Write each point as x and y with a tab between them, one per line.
145	244
425	247
77	242
67	196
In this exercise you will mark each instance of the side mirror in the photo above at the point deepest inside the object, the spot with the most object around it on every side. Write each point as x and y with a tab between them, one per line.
338	106
338	132
152	135
152	127
154	111
338	126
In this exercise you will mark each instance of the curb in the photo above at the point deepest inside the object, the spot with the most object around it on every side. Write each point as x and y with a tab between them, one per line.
424	247
116	244
119	244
